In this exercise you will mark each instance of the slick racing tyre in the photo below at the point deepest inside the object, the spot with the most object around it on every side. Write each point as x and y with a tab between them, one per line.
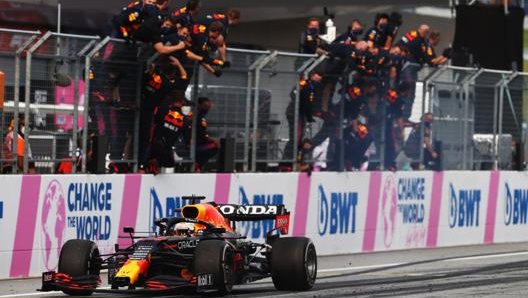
215	257
79	258
293	264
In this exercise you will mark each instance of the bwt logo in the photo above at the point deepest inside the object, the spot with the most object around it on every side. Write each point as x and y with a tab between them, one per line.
337	214
516	206
159	209
257	229
1	209
464	207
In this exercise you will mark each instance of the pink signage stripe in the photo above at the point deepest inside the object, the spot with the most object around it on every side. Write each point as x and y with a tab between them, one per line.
489	233
301	205
371	222
222	188
434	213
26	223
129	205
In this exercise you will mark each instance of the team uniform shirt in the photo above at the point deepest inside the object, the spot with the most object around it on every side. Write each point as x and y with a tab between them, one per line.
429	54
156	86
202	136
169	123
416	45
183	17
217	17
310	41
200	39
309	99
132	17
376	36
150	29
170	35
347	38
354	102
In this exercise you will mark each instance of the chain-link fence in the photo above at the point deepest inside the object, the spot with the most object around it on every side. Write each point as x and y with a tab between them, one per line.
78	99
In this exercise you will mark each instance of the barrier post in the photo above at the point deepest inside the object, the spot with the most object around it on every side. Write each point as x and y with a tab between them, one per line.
2	89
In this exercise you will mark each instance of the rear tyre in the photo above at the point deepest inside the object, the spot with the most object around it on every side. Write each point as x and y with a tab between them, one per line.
215	257
79	258
293	264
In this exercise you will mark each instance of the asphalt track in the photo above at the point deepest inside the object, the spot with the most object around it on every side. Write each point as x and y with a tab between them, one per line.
471	271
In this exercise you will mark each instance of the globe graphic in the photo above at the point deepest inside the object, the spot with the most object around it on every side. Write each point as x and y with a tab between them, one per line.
53	222
389	206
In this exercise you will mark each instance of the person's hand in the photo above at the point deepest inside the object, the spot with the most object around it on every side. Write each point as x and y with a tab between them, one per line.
448	52
217	73
207	59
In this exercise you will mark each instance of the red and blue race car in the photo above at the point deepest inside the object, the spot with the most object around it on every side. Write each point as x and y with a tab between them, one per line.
200	250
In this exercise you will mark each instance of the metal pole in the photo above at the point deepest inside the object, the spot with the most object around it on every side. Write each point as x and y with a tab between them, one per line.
76	93
87	65
259	67
497	144
27	98
248	108
58	28
194	97
425	88
305	70
465	140
17	93
494	139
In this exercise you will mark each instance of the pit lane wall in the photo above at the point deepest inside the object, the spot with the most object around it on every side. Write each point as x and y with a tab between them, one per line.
342	212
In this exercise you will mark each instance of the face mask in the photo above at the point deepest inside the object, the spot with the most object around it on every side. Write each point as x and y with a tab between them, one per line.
183	38
151	9
313	31
357	31
382	27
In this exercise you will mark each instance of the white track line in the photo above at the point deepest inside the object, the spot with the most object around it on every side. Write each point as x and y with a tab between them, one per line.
319	271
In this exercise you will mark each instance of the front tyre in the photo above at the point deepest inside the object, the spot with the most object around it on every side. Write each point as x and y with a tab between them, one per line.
293	264
215	257
79	258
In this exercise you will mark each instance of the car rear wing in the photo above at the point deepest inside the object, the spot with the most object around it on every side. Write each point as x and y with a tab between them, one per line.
251	212
278	213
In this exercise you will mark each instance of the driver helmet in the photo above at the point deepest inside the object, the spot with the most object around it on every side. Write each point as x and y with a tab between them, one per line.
184	229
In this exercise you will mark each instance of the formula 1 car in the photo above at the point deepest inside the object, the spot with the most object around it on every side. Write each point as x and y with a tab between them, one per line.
199	251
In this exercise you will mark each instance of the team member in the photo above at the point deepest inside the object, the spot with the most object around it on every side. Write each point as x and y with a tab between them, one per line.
415	41
206	146
309	100
8	152
158	82
409	157
184	17
232	17
169	129
353	34
430	56
310	39
377	35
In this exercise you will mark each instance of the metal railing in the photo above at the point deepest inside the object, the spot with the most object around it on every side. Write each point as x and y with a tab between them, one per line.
64	105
